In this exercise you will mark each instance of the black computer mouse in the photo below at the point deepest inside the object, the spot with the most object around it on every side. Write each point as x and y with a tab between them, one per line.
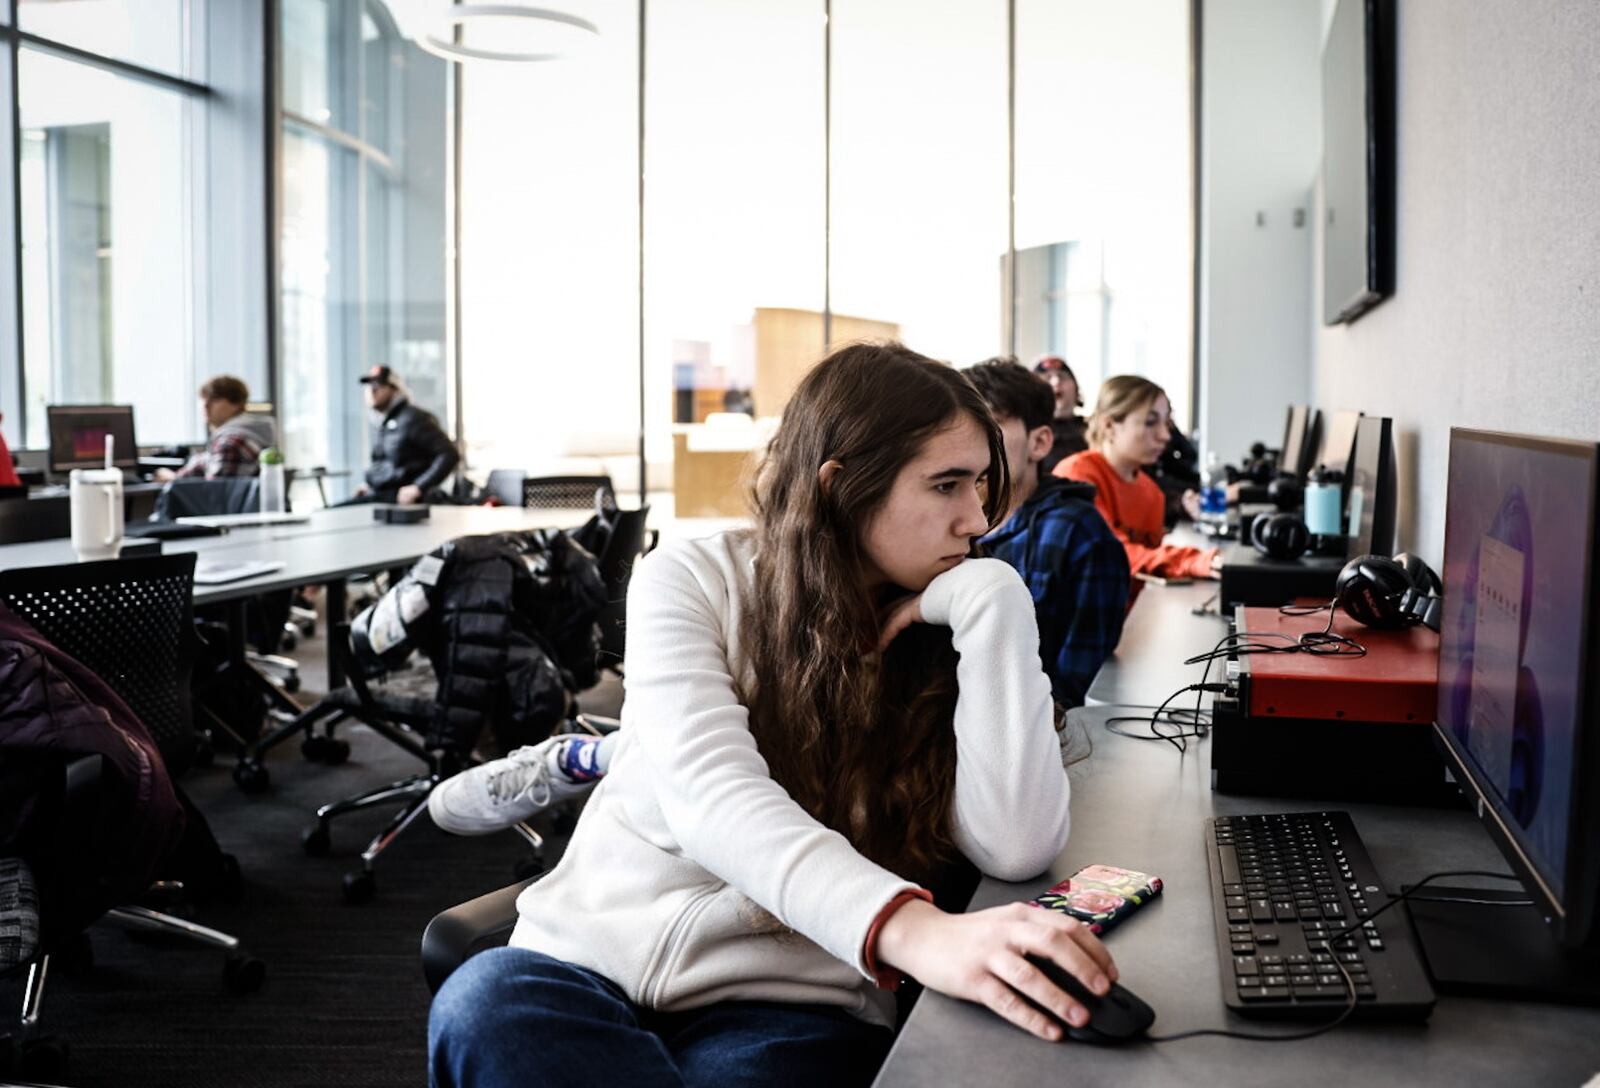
1118	1017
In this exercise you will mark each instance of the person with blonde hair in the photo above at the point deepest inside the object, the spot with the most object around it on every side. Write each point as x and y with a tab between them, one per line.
1130	428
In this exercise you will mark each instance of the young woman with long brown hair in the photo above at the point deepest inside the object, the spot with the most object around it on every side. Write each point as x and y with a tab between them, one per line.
823	714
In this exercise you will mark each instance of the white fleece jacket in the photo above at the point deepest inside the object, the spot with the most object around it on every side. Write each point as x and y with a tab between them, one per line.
693	877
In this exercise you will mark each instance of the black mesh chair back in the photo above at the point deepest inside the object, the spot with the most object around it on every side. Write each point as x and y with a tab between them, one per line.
589	492
622	549
129	620
196	497
505	484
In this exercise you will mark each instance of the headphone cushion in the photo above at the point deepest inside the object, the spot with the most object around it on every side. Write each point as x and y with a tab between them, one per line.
1281	536
1369	589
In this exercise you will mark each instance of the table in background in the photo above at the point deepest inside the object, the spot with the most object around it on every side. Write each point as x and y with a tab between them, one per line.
333	545
1142	805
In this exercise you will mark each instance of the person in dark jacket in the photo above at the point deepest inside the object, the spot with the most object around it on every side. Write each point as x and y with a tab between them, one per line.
411	454
1075	567
1068	430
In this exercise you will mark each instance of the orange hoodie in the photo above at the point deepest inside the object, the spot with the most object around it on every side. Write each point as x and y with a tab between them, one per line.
1135	511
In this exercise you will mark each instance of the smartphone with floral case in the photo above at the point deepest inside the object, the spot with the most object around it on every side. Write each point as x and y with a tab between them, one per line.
1100	896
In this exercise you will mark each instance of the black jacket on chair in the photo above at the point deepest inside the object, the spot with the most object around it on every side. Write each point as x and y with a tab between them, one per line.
410	448
508	622
53	710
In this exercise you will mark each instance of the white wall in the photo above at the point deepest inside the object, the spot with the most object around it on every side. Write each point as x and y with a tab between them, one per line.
1495	321
1260	131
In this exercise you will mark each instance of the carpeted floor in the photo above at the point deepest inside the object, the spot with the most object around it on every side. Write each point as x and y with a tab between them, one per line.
344	1001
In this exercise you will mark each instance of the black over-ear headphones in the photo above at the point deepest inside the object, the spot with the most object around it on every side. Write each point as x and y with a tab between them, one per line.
1281	536
1387	593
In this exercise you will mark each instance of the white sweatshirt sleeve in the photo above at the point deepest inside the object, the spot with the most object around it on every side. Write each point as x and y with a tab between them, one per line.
716	794
1011	809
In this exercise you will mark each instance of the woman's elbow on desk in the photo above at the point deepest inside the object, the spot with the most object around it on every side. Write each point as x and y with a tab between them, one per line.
1030	847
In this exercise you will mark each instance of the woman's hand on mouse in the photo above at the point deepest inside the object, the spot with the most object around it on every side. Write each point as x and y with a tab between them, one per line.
979	957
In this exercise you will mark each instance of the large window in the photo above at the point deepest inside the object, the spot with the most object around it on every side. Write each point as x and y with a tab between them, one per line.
132	208
549	255
110	168
1104	222
919	172
363	224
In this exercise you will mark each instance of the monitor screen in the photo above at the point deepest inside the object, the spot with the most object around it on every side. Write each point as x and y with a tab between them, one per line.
1338	438
1370	490
1294	440
78	435
1517	569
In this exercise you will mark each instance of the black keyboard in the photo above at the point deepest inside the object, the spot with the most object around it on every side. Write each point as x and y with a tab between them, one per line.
1284	885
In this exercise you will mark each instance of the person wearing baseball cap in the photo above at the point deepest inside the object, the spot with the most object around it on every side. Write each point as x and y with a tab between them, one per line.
1069	428
411	454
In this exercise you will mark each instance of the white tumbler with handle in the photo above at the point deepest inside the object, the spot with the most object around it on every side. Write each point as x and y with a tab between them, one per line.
96	499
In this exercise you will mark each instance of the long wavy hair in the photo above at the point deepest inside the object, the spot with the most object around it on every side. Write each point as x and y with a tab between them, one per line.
865	744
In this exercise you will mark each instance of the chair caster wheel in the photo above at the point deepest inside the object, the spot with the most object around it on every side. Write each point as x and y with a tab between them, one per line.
43	1058
315	840
291	683
243	974
314	747
336	752
527	868
289	640
251	775
359	887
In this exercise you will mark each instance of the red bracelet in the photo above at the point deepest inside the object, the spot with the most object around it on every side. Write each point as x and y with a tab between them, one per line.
887	978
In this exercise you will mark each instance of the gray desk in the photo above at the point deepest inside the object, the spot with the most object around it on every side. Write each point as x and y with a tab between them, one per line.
1139	804
332	546
1160	632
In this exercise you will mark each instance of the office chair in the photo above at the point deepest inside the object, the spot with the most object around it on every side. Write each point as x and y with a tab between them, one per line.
589	492
453	936
505	484
277	625
131	622
627	541
23	521
398	717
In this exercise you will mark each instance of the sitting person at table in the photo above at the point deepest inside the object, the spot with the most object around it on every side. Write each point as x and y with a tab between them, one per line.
1055	538
1129	430
1067	428
411	455
747	885
236	438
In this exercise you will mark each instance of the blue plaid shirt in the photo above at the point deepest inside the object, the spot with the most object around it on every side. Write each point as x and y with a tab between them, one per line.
1077	571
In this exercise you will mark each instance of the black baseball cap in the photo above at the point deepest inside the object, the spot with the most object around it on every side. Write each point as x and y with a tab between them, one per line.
378	375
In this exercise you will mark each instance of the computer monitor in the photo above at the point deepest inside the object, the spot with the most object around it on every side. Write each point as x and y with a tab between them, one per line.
78	436
1369	493
1294	440
1338	440
1518	657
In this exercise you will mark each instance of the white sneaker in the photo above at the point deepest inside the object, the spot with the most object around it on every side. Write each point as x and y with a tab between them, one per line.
495	795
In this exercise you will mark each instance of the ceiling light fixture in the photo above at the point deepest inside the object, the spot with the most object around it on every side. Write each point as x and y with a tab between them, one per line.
463	14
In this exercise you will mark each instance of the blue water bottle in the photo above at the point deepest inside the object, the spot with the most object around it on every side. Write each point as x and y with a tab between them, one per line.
1214	491
1322	503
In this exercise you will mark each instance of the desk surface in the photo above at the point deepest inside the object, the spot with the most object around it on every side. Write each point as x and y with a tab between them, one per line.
335	543
1160	632
1139	804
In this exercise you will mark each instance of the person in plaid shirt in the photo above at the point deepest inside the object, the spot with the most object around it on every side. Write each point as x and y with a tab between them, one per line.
237	436
1075	567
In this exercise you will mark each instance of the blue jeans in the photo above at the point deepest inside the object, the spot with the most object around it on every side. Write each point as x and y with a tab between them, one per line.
514	1017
